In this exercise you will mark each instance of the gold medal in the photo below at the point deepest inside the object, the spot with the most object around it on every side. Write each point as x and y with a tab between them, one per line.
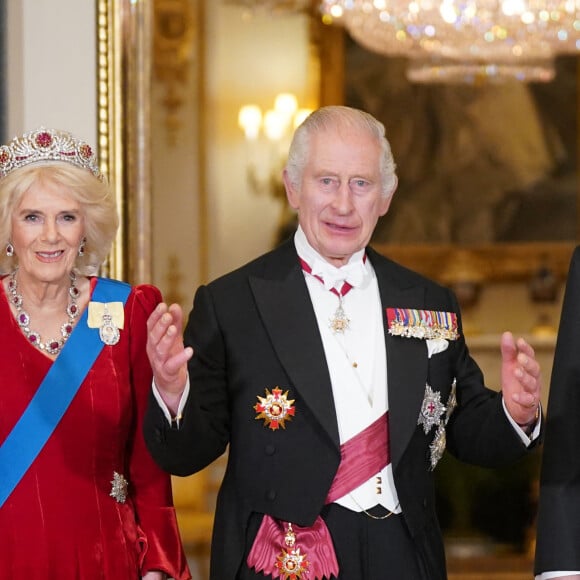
291	563
275	408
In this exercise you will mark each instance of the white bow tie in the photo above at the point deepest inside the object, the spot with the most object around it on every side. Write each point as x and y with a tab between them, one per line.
333	277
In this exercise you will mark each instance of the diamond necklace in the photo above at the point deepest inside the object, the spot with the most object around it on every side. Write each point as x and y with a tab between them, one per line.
53	346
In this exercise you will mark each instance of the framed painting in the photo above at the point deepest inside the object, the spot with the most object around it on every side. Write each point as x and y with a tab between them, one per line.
146	80
125	39
488	173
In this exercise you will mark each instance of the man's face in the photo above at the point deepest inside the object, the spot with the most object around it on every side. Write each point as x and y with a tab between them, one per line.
340	198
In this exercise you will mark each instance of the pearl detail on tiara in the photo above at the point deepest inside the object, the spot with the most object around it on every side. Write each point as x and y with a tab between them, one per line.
53	346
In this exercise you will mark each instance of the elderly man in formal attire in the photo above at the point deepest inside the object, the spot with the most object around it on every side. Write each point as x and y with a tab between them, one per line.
337	378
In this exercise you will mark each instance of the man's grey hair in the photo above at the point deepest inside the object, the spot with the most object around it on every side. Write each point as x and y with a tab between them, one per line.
332	117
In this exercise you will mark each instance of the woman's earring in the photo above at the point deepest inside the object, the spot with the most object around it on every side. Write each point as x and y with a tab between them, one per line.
82	247
9	250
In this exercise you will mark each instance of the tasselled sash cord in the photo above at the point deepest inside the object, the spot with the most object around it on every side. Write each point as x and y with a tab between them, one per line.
279	545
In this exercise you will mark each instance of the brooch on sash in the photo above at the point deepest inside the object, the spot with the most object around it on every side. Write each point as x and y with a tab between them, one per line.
119	487
275	408
422	324
291	563
109	318
435	414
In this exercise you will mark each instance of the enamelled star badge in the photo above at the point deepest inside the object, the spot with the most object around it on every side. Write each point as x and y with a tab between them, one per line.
422	324
275	408
290	563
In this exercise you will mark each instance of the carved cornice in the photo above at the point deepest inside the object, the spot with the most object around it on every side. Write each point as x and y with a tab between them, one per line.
173	53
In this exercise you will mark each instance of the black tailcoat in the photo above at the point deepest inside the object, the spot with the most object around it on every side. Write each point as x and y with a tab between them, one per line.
255	329
558	529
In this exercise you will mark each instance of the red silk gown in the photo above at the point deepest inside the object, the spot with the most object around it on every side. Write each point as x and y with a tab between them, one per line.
60	522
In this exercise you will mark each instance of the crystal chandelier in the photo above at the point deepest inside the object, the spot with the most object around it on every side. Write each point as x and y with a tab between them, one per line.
464	40
273	6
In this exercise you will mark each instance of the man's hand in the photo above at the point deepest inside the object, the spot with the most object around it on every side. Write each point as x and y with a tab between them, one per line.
520	379
167	354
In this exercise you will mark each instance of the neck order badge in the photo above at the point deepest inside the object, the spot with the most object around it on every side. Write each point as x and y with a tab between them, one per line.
339	321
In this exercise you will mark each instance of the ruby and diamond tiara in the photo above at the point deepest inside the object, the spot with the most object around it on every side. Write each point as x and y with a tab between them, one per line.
44	145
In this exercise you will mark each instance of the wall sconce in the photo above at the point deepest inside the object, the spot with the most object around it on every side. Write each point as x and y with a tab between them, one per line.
268	136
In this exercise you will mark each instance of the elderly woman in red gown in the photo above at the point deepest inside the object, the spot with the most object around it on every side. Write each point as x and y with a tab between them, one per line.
80	497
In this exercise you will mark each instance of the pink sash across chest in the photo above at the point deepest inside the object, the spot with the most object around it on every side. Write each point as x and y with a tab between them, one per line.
361	457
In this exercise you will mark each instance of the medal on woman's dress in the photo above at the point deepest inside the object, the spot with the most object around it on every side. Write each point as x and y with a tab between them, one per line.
108	331
109	318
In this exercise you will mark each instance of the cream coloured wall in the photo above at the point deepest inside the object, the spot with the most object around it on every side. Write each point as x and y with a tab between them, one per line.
51	64
208	220
248	61
508	306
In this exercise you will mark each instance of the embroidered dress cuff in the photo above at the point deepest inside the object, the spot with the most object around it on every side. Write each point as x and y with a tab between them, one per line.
164	407
526	439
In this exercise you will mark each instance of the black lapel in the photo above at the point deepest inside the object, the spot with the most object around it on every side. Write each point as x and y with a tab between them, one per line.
406	357
286	310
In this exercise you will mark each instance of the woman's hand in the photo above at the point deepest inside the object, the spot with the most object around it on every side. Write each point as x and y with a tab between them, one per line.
154	575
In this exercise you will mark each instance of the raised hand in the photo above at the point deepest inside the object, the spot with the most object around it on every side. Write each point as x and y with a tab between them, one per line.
167	354
520	379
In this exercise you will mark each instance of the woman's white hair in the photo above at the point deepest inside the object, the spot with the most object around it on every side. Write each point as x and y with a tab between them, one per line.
94	196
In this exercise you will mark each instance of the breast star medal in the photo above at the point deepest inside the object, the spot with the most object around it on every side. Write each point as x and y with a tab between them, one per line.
437	447
451	401
275	408
431	410
435	414
291	563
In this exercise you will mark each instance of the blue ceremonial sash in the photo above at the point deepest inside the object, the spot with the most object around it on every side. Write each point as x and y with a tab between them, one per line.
55	393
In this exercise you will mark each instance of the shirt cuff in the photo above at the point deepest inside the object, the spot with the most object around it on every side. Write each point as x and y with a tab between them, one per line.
526	439
548	575
172	420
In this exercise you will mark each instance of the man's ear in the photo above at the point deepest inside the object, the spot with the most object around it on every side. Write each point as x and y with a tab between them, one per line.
291	193
386	201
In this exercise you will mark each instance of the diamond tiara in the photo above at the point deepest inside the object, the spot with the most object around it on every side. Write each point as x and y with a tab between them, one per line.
44	145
